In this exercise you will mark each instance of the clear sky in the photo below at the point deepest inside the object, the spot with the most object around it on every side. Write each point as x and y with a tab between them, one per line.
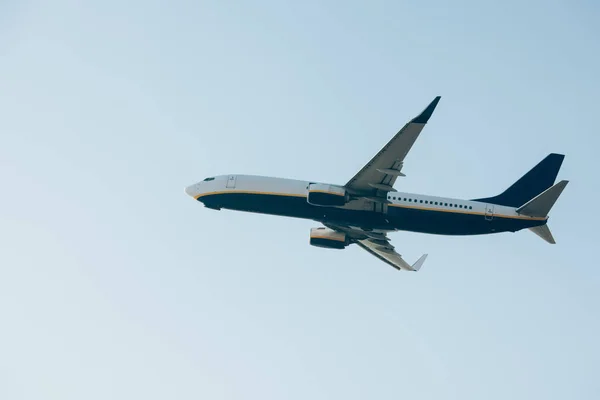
114	284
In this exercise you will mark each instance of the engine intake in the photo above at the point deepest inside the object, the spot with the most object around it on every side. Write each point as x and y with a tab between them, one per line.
328	238
320	194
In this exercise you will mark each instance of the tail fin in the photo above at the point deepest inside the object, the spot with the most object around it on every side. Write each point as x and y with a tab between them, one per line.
540	205
534	182
544	232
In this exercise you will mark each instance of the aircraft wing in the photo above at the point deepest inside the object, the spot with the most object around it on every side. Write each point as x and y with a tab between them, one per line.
381	172
378	244
384	250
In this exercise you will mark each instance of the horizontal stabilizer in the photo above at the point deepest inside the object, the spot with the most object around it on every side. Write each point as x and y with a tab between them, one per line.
540	205
544	232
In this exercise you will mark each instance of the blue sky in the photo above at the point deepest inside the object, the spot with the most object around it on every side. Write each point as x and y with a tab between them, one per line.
115	284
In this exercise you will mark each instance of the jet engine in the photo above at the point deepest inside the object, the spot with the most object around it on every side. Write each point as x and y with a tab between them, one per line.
328	238
320	194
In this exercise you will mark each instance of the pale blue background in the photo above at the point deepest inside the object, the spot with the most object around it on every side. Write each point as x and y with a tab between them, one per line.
116	285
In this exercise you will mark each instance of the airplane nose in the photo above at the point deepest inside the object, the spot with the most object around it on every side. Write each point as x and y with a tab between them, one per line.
192	190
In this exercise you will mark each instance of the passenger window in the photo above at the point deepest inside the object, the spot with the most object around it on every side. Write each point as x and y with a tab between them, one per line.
421	201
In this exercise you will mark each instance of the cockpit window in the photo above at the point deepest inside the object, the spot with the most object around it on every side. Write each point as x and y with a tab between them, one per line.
209	179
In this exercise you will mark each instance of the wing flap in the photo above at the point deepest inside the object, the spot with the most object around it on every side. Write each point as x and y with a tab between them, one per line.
378	244
387	254
379	256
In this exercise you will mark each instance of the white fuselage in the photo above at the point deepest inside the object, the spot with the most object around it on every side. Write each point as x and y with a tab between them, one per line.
403	211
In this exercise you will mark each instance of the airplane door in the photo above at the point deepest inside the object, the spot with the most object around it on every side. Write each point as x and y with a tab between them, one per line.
489	212
231	182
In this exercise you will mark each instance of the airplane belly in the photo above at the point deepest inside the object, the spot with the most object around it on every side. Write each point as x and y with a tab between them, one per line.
442	223
295	206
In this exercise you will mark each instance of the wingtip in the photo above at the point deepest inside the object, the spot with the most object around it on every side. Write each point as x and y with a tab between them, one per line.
417	265
427	112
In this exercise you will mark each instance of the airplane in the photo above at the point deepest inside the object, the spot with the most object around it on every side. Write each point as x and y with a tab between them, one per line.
367	208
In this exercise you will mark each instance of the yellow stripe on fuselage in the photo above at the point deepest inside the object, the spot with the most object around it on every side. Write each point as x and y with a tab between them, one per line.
249	192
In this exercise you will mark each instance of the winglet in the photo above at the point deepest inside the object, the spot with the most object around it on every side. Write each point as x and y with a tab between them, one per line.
417	265
426	114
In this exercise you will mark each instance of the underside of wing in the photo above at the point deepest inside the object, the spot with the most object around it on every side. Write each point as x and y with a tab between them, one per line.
385	252
378	244
379	175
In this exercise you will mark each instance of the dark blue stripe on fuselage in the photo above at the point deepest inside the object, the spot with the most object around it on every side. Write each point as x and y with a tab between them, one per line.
453	223
406	219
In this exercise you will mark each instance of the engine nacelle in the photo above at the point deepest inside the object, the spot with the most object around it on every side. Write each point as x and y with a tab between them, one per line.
328	238
320	194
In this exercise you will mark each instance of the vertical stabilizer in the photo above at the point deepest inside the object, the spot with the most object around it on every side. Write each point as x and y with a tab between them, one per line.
534	182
